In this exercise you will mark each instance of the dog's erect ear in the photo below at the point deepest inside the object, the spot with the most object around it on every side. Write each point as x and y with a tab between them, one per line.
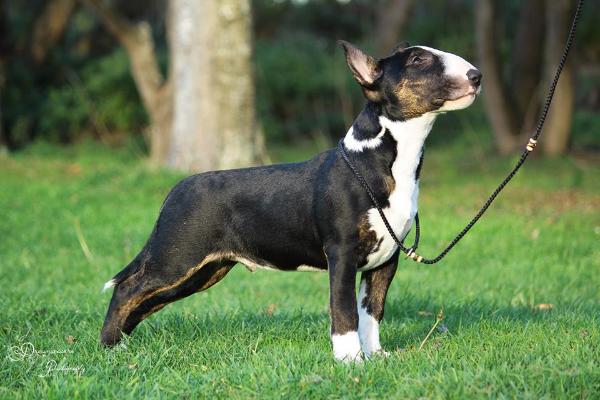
364	67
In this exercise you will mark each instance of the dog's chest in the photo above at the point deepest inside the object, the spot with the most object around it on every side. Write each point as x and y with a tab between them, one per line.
400	213
402	207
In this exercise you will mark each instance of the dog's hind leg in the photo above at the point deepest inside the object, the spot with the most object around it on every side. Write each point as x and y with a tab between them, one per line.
374	285
150	289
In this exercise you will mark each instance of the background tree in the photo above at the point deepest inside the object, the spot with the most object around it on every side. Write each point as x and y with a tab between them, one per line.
49	27
202	114
3	34
513	99
557	129
213	87
2	138
392	18
68	78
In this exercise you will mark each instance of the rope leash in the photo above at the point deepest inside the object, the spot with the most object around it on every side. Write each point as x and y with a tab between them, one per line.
531	144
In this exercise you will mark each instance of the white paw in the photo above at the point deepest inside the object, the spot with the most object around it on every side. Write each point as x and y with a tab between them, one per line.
346	347
377	353
350	358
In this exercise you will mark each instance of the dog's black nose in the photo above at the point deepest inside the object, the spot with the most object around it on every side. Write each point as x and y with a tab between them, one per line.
474	76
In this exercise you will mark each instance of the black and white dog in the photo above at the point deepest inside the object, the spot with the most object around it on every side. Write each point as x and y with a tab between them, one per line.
308	216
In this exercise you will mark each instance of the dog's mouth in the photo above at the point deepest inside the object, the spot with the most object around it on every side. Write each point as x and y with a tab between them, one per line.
471	94
456	102
465	96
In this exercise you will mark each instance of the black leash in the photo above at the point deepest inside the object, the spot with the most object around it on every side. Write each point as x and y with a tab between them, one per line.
411	251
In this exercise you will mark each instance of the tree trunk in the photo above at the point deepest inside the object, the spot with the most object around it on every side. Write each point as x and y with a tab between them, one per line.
49	27
495	98
213	93
557	129
4	54
527	60
202	118
3	141
192	26
154	91
391	21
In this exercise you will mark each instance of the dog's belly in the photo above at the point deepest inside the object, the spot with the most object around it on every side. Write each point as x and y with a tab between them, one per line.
400	214
252	266
277	259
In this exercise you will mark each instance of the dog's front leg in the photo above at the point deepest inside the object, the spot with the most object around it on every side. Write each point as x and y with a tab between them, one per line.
342	305
374	285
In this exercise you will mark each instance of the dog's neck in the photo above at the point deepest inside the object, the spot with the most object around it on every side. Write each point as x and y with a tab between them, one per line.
374	132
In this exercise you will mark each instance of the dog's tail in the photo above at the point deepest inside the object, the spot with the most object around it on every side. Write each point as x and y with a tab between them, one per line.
139	260
129	270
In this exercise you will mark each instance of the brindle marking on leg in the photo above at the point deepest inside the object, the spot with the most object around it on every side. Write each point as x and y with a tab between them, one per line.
377	283
153	310
133	303
220	270
216	277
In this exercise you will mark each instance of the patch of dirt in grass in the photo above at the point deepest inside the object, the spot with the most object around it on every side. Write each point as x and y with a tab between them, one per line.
527	202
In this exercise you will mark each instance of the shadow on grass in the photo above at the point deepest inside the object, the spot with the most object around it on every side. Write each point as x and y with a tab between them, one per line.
407	321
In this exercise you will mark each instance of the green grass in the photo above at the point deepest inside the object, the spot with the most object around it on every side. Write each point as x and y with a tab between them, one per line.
72	217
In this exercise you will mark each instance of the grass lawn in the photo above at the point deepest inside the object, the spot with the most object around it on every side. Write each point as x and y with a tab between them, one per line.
520	295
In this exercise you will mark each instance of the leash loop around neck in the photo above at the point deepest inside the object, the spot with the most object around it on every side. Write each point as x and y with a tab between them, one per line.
531	144
407	250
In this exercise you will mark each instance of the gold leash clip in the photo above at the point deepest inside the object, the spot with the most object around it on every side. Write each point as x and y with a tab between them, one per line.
531	145
413	254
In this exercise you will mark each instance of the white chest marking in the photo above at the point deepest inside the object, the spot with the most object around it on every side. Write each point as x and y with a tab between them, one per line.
410	136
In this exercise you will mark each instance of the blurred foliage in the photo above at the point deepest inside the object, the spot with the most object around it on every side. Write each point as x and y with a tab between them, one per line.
304	91
102	95
299	82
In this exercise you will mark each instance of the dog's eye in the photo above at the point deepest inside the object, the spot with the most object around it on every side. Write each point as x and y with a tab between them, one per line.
416	60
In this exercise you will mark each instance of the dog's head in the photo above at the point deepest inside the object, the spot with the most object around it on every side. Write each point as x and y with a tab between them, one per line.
414	80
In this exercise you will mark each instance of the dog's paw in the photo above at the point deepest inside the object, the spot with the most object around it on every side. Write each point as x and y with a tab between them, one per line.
350	358
346	347
380	353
